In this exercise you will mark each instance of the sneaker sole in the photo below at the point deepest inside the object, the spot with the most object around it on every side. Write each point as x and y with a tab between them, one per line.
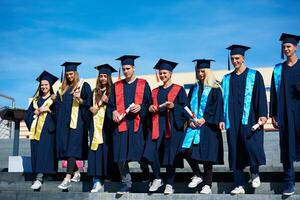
35	188
63	188
168	193
121	193
237	193
288	193
255	186
192	186
151	190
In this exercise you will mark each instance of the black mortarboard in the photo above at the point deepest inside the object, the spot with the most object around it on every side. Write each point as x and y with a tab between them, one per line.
105	69
237	49
127	59
288	38
47	76
203	63
71	66
165	64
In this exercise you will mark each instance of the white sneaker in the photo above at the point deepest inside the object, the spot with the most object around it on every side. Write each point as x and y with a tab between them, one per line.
238	190
96	187
255	180
76	177
65	184
169	189
157	183
205	190
36	185
196	180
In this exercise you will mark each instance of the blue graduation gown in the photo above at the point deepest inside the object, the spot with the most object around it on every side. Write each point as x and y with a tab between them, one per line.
246	148
43	158
167	148
289	112
210	147
97	160
72	142
128	145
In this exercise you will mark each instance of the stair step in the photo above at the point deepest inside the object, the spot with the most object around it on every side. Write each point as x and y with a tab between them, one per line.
21	195
142	187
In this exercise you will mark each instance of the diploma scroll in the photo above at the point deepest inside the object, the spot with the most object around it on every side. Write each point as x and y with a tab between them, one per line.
126	111
256	126
191	114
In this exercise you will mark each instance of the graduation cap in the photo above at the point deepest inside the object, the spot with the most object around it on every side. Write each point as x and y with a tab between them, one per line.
288	38
48	77
165	64
105	69
127	59
236	49
203	63
71	66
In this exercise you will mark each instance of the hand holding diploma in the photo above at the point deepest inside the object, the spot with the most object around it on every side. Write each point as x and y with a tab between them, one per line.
121	116
191	114
261	122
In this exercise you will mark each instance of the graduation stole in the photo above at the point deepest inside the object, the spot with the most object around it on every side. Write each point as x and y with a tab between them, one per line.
38	121
98	120
155	117
75	105
277	78
120	103
250	80
193	135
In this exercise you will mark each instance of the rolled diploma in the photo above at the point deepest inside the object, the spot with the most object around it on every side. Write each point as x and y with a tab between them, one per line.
126	111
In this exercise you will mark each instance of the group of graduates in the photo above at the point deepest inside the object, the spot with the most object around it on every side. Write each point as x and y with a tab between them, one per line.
125	121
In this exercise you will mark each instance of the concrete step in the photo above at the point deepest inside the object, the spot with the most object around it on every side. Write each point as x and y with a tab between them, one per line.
14	177
223	183
140	187
21	195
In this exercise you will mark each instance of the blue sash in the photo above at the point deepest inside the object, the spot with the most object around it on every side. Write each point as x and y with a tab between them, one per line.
250	80
225	86
277	80
193	135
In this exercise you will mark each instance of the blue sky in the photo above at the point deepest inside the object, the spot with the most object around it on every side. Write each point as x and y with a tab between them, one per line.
37	35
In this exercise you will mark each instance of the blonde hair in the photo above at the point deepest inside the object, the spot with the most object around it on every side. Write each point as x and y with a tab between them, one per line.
210	79
66	84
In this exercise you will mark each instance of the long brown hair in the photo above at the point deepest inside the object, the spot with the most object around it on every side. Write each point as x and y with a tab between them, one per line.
98	91
66	83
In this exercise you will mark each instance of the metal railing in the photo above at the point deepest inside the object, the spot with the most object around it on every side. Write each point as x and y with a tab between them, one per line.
7	128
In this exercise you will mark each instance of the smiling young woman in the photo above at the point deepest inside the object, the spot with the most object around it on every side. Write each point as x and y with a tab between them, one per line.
40	120
72	103
166	133
203	141
100	128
